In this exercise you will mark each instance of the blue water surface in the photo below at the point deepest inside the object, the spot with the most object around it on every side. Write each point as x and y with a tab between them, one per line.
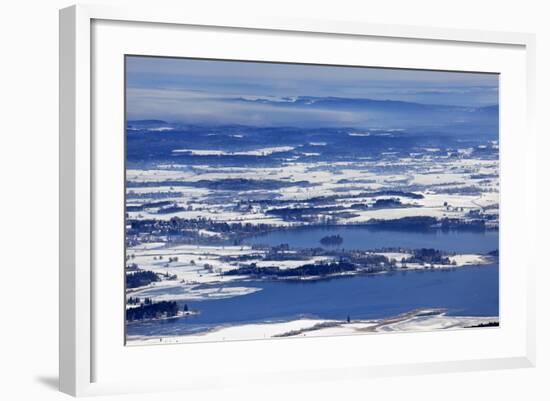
470	291
364	238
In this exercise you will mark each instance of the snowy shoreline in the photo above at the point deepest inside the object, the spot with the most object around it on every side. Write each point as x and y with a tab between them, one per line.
413	321
199	271
217	289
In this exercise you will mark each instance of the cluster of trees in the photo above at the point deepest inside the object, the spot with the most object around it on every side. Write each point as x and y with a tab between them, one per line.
168	276
178	226
488	324
301	213
371	261
137	301
391	192
332	240
427	222
148	205
152	310
280	252
170	259
234	184
314	269
386	203
170	209
448	223
421	222
153	195
429	256
140	278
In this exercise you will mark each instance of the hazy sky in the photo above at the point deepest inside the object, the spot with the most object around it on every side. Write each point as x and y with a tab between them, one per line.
192	91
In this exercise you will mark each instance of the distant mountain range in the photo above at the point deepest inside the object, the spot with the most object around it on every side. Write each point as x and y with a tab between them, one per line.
146	123
311	112
331	102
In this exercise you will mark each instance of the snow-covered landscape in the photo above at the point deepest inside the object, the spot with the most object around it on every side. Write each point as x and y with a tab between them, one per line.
419	320
324	215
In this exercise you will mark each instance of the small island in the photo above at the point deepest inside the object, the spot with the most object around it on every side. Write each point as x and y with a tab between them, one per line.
332	240
147	309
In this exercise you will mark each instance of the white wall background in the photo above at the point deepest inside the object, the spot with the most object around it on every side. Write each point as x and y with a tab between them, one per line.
28	205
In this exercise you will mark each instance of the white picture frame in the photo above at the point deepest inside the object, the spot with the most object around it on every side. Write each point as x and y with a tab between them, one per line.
79	347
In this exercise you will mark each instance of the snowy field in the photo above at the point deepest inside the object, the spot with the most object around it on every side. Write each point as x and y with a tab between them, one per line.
462	188
439	179
327	178
197	265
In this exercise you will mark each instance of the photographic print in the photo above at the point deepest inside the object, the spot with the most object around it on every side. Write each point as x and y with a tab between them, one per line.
280	200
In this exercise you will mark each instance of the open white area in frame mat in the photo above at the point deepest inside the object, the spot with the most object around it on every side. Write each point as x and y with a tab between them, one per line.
232	363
